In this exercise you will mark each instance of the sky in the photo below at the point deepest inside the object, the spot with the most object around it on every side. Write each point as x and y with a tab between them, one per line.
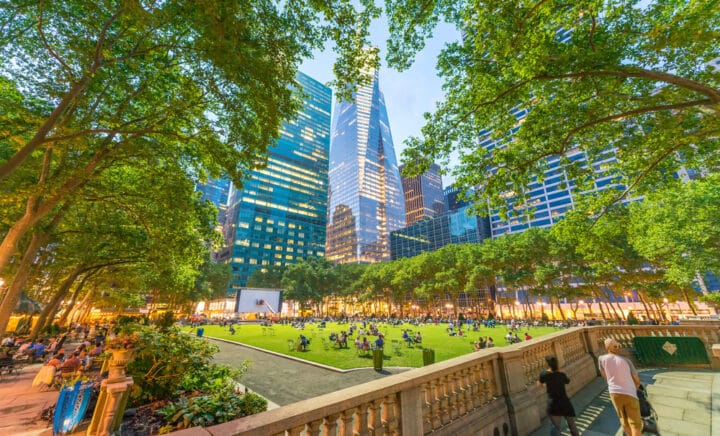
408	95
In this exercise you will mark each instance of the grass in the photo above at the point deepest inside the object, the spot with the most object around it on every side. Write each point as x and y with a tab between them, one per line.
434	337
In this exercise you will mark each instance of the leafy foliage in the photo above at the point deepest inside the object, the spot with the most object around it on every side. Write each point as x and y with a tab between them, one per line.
597	78
214	408
170	363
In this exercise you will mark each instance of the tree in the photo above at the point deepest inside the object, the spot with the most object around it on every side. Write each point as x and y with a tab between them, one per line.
308	281
678	229
267	277
597	77
205	83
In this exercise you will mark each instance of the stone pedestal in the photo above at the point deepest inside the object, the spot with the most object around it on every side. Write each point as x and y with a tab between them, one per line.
114	394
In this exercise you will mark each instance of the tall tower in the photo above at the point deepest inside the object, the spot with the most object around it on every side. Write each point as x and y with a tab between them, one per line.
423	195
279	215
216	191
366	199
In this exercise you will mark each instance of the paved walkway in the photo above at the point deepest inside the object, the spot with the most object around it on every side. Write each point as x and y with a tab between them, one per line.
285	380
687	404
21	404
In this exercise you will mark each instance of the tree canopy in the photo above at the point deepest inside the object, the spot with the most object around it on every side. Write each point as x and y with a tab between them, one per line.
574	81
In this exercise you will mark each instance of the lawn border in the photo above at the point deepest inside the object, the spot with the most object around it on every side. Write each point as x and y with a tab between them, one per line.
297	359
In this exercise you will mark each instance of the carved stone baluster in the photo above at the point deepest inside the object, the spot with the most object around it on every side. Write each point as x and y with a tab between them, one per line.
390	415
297	431
444	390
476	383
361	421
331	424
427	406
346	423
314	427
459	377
452	392
435	404
375	418
468	384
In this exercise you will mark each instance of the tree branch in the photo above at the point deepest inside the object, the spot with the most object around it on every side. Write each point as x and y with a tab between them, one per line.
638	111
45	44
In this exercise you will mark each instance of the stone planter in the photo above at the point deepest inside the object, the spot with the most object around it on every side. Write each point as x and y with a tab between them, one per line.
119	359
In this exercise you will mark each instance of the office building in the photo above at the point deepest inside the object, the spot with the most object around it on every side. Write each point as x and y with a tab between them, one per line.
423	195
454	199
366	200
430	234
216	191
279	215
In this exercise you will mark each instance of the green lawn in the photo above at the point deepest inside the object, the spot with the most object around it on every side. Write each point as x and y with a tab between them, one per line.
435	337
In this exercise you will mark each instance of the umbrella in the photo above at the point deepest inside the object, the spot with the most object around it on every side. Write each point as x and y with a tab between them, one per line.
27	305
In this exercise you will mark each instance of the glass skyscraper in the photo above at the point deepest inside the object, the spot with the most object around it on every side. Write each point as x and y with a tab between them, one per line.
279	215
366	199
430	234
216	191
423	195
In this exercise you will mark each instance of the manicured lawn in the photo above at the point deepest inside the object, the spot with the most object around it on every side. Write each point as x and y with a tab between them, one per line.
435	337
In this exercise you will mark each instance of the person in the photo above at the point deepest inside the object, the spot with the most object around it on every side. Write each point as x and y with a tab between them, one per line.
73	362
558	403
231	329
527	336
365	344
405	336
379	342
623	382
8	341
418	338
490	343
304	342
516	338
56	361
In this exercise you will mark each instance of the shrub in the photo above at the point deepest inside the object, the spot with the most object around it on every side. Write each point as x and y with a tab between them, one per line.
218	407
168	364
631	319
165	321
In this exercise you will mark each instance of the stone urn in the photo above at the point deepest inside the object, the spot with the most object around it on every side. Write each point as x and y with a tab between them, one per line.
119	359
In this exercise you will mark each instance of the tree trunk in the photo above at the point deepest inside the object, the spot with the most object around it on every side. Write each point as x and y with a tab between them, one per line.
52	305
81	306
12	295
73	299
690	302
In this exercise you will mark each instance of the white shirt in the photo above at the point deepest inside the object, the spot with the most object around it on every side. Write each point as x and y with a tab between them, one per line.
618	371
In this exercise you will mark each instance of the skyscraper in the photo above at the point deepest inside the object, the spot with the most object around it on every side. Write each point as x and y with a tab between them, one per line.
423	195
366	200
453	198
216	191
279	215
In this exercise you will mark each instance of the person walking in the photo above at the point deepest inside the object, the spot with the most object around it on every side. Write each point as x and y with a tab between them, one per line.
623	382
558	403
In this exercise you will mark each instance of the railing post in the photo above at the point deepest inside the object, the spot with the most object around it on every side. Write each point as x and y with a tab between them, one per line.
523	410
411	411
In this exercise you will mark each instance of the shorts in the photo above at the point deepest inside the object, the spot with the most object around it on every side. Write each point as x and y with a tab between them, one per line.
628	410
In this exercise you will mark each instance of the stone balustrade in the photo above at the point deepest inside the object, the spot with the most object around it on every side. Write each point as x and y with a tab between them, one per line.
490	392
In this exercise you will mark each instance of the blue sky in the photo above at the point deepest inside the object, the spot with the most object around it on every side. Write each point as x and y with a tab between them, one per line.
408	95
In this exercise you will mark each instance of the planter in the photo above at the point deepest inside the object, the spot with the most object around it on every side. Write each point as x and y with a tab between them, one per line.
119	359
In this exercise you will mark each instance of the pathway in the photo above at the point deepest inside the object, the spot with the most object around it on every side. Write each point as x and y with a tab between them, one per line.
284	380
21	404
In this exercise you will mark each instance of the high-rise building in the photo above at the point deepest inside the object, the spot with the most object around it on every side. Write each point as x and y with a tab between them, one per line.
366	201
454	199
279	215
423	195
216	191
452	227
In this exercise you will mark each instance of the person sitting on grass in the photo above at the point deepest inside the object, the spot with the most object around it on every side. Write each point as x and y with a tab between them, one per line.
231	329
527	336
304	342
342	340
418	338
490	343
365	344
406	336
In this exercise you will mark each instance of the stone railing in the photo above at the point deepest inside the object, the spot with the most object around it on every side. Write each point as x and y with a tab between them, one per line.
492	391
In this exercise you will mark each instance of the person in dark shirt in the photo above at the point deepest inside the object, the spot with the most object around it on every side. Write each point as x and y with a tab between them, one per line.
559	404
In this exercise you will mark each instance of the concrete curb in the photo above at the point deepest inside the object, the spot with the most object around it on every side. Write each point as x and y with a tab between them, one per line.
297	359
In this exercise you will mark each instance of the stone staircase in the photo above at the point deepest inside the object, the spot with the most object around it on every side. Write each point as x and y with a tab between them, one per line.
684	402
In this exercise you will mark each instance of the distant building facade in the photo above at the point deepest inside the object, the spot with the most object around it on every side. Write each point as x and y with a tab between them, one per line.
216	191
365	201
423	195
430	234
454	198
279	215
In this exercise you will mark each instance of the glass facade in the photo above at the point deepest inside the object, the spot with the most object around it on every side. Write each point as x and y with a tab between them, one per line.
365	202
279	216
430	234
216	191
453	200
423	195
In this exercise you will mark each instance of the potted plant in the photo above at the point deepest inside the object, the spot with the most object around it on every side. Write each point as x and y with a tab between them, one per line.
122	347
